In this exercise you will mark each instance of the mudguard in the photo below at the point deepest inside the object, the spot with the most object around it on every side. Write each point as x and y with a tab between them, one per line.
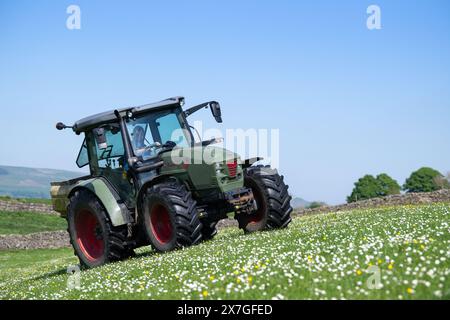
118	213
249	162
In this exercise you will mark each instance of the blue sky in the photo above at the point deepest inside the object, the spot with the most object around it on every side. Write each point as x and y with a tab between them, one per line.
348	100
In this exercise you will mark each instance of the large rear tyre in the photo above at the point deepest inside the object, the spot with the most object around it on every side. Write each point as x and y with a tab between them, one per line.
170	217
272	198
94	239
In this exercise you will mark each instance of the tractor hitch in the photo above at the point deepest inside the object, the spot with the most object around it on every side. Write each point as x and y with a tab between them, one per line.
242	201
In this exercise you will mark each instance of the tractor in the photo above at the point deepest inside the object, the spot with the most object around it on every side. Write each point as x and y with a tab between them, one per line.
152	183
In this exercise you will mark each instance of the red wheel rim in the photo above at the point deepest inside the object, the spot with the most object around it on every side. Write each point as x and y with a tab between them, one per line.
89	235
161	224
258	216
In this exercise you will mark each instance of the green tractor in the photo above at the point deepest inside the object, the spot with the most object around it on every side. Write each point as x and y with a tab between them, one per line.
150	182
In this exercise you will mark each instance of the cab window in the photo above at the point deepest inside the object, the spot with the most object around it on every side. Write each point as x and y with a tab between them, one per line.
112	156
170	129
83	157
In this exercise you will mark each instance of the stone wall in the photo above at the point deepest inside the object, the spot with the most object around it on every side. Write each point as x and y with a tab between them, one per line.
40	240
16	206
394	200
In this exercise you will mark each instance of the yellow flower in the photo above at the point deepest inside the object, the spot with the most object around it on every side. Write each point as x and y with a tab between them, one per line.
250	279
380	261
410	290
358	272
205	293
238	280
236	272
390	266
211	278
243	269
422	247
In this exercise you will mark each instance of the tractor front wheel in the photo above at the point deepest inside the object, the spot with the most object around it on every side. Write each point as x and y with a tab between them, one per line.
170	217
272	199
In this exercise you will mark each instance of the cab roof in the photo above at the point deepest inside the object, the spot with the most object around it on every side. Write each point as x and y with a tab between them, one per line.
109	116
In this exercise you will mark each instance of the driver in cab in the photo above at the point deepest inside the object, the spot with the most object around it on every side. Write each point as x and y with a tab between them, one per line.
139	146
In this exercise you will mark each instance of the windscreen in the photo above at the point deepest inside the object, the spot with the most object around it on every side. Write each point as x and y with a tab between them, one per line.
158	127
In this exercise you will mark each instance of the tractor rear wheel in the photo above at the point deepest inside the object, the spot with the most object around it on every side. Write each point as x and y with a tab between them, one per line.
94	239
170	217
272	198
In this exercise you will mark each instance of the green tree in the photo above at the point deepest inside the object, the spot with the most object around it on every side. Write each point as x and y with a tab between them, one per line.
424	180
365	188
387	185
370	187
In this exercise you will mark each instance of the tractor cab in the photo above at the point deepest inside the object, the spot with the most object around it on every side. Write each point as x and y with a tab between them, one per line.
126	146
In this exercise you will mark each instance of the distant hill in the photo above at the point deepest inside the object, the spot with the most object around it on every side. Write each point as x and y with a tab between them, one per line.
22	182
297	203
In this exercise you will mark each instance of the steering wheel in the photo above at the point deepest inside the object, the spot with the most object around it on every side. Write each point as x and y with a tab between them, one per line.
169	144
155	145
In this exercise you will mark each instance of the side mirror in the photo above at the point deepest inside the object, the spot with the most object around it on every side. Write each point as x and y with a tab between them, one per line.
216	112
62	126
100	138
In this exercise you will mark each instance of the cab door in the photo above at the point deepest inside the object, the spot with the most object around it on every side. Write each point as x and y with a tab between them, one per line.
108	161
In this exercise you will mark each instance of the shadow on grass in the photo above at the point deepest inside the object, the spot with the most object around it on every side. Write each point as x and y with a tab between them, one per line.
50	274
63	271
145	254
148	253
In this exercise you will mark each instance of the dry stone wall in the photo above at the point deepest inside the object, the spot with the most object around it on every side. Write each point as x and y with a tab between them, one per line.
16	206
394	200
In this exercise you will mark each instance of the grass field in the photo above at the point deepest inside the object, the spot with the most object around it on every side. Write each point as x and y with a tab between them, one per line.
333	256
27	200
29	222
